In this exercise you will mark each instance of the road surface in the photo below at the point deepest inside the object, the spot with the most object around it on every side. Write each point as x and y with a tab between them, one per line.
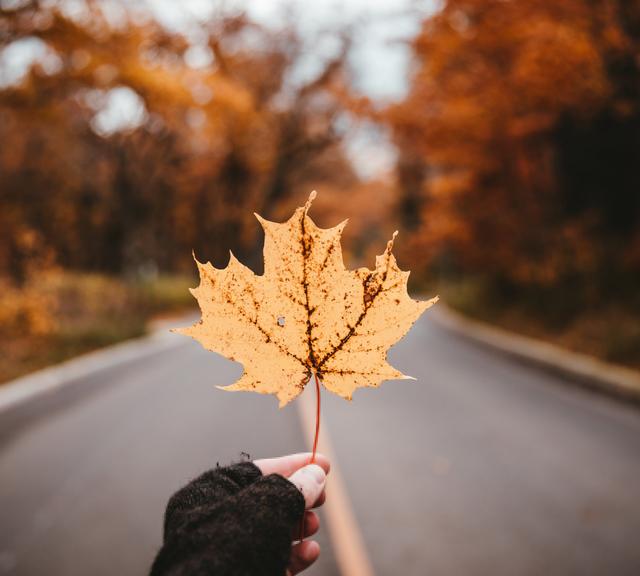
481	466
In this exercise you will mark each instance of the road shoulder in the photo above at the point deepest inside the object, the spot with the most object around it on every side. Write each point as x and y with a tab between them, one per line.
48	380
614	380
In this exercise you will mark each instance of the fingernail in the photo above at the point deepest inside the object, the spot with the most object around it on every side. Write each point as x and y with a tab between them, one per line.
317	473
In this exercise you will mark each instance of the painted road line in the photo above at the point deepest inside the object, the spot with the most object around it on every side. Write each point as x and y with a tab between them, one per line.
344	533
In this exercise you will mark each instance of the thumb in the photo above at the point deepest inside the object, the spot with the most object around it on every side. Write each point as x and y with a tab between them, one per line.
310	481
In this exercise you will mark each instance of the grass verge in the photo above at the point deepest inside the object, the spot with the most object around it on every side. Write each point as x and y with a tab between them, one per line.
60	315
609	330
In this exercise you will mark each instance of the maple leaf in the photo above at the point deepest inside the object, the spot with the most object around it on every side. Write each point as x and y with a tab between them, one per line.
306	314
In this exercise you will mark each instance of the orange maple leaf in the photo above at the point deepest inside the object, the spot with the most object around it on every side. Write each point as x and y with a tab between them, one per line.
307	314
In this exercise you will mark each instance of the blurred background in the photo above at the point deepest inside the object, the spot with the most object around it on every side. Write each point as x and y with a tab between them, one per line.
501	138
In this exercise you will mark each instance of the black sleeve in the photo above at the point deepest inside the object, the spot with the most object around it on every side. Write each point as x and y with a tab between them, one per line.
230	522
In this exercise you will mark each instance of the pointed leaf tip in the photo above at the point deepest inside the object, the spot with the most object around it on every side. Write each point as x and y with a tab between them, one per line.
390	243
307	204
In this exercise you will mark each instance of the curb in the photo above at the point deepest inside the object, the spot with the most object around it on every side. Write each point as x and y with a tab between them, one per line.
578	368
49	380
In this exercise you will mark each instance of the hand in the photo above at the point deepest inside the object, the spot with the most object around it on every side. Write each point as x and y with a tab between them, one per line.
310	480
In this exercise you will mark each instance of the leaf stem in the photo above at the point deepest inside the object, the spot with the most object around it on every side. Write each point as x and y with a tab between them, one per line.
315	440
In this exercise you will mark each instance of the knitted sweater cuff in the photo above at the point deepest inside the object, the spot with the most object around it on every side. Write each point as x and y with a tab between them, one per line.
230	522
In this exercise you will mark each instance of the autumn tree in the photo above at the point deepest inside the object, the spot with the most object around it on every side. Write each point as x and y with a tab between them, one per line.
201	143
519	142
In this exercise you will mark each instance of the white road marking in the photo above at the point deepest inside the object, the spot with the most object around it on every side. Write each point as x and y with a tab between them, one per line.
347	542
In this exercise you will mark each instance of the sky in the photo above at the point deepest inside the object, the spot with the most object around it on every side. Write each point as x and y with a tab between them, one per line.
381	56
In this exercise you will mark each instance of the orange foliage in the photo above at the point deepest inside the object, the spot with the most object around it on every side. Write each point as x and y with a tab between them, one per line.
207	141
521	130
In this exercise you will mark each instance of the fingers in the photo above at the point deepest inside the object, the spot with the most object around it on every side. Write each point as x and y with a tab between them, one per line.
303	555
310	480
320	501
287	465
310	527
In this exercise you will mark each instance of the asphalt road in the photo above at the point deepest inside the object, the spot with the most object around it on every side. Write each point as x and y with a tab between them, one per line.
481	466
